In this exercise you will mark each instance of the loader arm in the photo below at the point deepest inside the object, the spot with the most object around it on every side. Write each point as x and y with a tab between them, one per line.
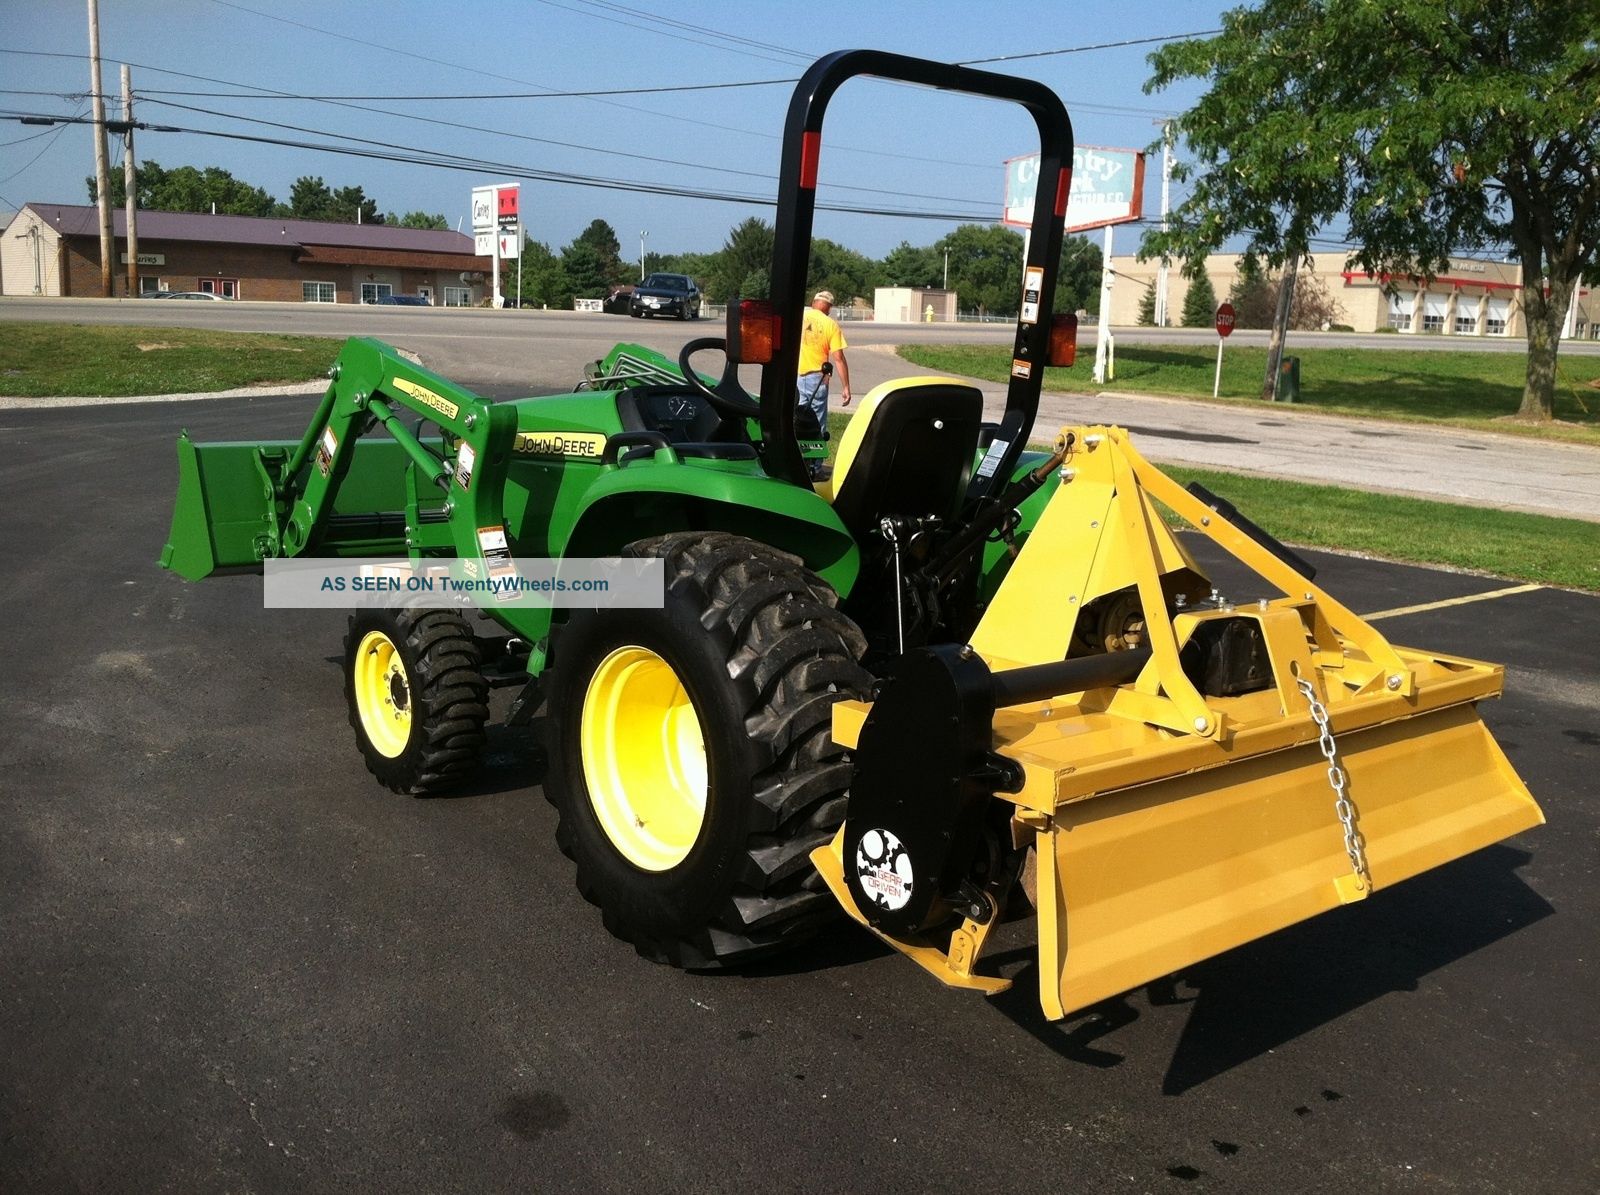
410	495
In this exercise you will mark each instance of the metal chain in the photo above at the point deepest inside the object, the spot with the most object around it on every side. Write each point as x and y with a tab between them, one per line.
1354	844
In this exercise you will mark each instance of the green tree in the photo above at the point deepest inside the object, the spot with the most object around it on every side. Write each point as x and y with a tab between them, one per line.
417	220
1200	304
843	271
1253	295
1432	128
911	265
746	254
544	281
1078	281
351	205
1147	306
698	266
589	275
310	199
188	189
985	267
602	239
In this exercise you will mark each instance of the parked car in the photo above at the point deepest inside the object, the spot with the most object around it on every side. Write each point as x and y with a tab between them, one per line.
666	294
617	302
401	301
188	294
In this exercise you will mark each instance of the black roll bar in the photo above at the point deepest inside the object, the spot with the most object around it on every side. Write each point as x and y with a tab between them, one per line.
797	199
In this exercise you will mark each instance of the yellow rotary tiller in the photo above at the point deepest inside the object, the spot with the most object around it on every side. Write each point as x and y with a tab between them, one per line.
1167	773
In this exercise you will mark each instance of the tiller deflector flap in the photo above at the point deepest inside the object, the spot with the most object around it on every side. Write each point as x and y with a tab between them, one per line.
1168	823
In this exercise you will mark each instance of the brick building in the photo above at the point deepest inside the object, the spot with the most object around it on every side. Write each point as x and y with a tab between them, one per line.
54	249
1474	297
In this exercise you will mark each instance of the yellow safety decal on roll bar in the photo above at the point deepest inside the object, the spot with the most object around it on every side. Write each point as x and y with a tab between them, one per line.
586	445
1021	368
428	398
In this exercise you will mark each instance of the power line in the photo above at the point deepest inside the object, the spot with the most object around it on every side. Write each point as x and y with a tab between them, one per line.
545	141
443	161
664	33
275	93
481	95
372	45
43	149
729	37
1107	45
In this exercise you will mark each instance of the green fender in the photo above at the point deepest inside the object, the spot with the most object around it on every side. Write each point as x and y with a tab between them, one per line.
655	496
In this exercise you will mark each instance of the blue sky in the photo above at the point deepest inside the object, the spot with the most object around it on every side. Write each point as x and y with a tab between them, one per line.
883	144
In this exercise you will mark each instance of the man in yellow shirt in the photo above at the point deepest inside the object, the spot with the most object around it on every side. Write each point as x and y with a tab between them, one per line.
821	348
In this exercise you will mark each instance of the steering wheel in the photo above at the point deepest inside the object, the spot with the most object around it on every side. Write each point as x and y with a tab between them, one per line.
727	396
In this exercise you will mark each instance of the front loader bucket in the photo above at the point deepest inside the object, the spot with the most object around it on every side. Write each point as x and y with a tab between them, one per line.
1136	884
223	511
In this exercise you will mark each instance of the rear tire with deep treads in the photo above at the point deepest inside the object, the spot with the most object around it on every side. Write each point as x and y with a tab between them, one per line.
417	697
754	643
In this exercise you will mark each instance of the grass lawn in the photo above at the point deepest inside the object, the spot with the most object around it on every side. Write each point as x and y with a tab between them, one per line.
1522	547
1467	389
40	360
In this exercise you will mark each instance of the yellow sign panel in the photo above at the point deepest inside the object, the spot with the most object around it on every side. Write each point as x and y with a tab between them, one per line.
585	445
428	398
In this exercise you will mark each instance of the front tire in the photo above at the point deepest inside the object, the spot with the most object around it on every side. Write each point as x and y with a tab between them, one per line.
417	697
691	757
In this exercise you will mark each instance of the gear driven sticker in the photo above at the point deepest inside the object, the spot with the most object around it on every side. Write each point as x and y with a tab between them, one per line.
884	869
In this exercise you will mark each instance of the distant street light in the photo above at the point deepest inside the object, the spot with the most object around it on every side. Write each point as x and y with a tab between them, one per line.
642	235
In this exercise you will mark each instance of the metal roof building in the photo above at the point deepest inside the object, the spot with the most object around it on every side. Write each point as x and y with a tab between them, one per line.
54	249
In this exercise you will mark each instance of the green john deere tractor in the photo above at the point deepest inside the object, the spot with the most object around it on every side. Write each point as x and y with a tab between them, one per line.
886	691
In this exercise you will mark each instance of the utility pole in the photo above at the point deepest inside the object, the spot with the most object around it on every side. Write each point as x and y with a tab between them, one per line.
102	168
1166	200
130	184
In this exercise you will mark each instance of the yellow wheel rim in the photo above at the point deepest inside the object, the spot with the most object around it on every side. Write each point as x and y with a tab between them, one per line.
383	694
644	758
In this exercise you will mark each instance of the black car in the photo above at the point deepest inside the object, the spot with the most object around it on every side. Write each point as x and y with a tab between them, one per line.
666	294
618	301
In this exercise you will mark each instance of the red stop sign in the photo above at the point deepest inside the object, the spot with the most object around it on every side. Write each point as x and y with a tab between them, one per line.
1224	319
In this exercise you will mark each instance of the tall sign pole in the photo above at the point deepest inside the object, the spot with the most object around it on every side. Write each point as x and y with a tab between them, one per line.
102	168
508	239
1166	201
130	185
1105	365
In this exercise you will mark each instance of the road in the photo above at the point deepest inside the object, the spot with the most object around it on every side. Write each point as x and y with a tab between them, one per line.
513	353
231	962
425	325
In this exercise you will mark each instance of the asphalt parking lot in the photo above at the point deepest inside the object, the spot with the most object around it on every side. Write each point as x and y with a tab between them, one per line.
229	961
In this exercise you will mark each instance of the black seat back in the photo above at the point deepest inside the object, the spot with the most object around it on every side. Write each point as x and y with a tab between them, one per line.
912	456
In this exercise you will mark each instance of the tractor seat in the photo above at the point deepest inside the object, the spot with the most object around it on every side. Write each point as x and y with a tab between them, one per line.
908	451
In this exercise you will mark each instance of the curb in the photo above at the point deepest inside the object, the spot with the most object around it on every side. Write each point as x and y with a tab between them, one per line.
313	386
